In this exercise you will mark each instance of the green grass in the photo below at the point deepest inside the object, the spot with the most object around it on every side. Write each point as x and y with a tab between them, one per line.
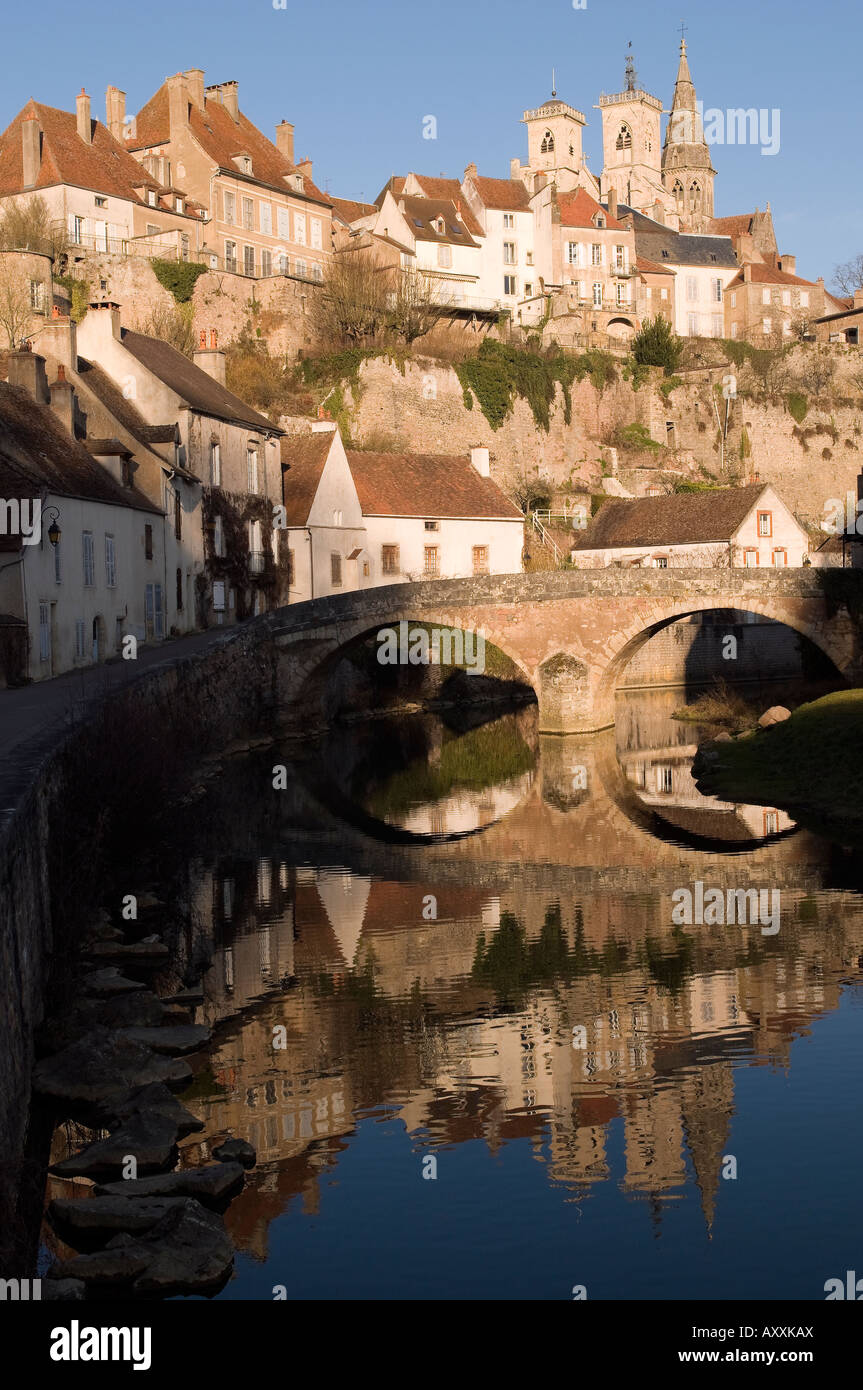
811	765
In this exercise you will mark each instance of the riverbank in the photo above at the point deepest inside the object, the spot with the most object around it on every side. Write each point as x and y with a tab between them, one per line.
811	765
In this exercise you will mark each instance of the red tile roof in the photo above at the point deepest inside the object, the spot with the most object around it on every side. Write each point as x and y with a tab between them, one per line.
433	485
578	209
766	275
420	213
738	225
305	456
350	211
678	519
222	139
103	166
504	195
652	267
441	189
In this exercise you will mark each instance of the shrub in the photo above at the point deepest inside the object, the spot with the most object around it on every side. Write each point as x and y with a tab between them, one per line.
179	277
657	345
798	406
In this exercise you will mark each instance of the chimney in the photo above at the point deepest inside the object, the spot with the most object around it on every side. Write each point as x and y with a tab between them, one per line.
470	172
304	167
858	300
31	149
611	203
747	272
515	168
178	103
659	212
58	339
63	400
195	86
211	359
479	459
231	100
788	263
285	140
82	105
104	314
27	369
115	112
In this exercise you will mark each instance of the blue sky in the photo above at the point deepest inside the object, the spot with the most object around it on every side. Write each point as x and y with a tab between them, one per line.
358	79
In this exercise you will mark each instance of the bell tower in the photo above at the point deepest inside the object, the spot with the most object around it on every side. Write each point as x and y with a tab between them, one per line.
631	143
686	168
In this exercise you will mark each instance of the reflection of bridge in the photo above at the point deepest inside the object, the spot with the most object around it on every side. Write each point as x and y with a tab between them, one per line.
570	634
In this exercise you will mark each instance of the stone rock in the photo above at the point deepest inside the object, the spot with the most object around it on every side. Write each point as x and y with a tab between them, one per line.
723	737
109	982
236	1151
188	1251
150	1138
776	714
193	995
142	1010
95	1219
173	1041
213	1185
156	1099
63	1290
102	1067
144	952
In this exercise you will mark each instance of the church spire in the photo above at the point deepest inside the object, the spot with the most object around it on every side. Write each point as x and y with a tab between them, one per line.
686	168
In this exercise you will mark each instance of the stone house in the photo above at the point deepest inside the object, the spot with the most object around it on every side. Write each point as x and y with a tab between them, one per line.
356	518
843	324
92	186
654	290
502	208
26	294
442	236
93	571
264	214
592	260
703	266
747	526
208	459
767	304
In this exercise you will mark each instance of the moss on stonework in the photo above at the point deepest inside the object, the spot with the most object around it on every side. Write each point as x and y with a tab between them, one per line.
500	373
178	277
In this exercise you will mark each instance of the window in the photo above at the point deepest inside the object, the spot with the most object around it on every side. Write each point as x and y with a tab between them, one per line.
256	548
337	516
78	230
804	299
750	557
79	638
219	596
246	163
620	258
432	525
780	556
178	516
480	559
283	218
771	822
290	569
692	287
179	590
444	255
248	260
622	296
300	228
230	255
336	570
677	191
648	292
178	205
89	560
110	562
510	284
58	569
573	252
509	253
547	143
218	536
595	254
716	325
390	559
786	328
215	463
101	202
315	224
597	295
248	214
508	221
300	270
151	197
765	296
148	542
317	272
692	325
734	328
37	296
767	327
44	632
184	246
154	613
661	562
599	220
716	286
695	197
663	293
786	296
252	469
266	216
266	263
765	523
230	208
430	562
664	779
528	288
734	300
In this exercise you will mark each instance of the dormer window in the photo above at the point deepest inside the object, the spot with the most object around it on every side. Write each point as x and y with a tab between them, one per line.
599	220
298	179
178	205
440	226
547	145
151	197
246	164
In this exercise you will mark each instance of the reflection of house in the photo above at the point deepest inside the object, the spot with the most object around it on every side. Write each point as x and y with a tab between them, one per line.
745	526
357	519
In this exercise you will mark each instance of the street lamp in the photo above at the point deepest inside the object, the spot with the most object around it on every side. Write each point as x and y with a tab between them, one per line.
54	532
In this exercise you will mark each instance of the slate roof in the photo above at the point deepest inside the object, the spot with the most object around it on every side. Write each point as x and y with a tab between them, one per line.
426	485
420	213
305	456
222	139
124	411
37	456
103	166
193	385
681	248
679	519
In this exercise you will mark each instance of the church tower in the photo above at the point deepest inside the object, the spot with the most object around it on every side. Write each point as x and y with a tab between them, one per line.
686	168
631	145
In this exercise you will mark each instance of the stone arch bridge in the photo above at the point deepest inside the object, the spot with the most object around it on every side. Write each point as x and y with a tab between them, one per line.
570	633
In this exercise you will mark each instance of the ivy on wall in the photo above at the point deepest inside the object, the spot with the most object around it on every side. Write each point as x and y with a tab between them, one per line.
178	277
500	373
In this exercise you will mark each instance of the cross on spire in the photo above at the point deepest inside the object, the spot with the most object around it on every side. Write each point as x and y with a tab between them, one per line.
683	28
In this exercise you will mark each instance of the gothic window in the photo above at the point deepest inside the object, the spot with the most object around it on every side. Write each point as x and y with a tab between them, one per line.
695	197
624	138
677	191
547	146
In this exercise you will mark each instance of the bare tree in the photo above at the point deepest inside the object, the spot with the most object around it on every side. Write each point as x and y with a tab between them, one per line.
416	304
172	325
29	226
848	276
15	307
354	302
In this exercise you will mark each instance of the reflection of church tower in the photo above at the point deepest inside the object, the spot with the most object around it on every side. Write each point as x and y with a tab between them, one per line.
686	168
708	1104
631	144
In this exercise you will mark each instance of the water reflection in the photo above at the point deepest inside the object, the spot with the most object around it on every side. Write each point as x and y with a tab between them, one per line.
519	992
